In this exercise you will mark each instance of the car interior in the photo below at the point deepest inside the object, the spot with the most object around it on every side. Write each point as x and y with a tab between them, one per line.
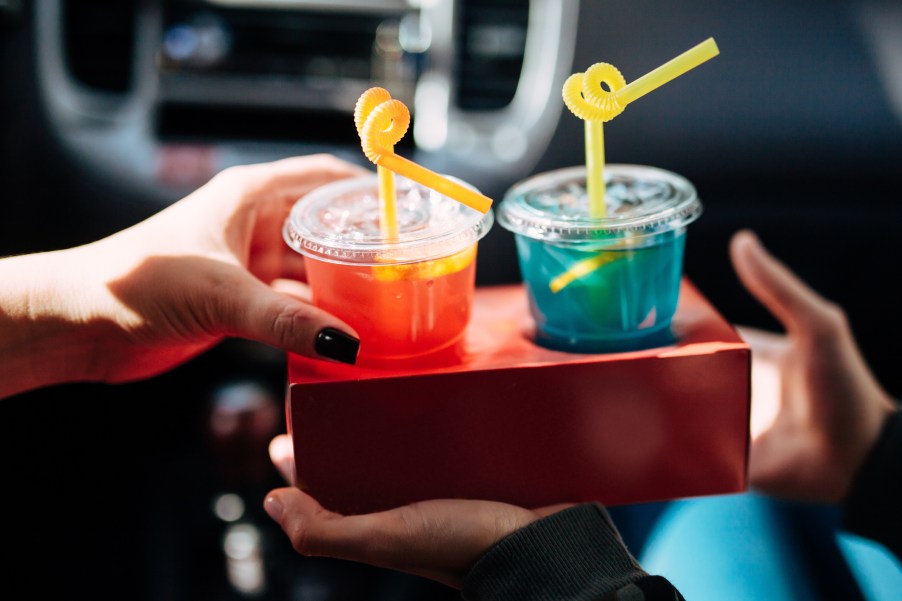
110	110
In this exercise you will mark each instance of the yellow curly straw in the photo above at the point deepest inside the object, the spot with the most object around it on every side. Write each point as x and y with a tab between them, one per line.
601	93
398	120
381	122
584	96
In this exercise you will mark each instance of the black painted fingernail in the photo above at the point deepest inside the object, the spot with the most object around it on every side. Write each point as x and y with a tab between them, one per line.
335	344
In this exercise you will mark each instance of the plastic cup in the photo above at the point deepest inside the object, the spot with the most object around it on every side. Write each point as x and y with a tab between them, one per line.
407	295
607	284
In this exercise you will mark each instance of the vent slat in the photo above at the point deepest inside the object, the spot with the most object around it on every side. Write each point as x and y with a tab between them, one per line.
277	43
491	39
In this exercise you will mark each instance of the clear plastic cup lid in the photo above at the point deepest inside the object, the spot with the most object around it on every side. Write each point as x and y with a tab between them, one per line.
339	223
639	201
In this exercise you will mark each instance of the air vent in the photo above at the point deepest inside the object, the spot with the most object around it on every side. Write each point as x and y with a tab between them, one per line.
319	60
99	40
491	40
268	43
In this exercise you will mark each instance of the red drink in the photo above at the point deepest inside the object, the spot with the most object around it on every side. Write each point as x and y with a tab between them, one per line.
399	311
408	295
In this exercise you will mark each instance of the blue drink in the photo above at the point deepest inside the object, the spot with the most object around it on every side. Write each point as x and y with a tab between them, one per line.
602	284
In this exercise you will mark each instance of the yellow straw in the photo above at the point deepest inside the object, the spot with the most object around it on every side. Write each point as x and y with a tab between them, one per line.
585	96
381	122
672	69
587	99
578	270
388	220
433	180
595	168
388	217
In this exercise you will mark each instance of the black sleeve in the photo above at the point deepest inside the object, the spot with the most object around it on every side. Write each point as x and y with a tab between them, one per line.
573	555
873	507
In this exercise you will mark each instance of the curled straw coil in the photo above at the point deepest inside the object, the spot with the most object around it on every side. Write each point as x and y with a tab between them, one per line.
381	122
587	99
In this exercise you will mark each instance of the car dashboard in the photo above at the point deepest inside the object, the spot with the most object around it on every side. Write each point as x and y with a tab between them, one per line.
220	83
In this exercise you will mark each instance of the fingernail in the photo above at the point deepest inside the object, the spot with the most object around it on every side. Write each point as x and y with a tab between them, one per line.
335	344
273	508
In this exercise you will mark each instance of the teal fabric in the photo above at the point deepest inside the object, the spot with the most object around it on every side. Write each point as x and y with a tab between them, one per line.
745	547
877	571
727	547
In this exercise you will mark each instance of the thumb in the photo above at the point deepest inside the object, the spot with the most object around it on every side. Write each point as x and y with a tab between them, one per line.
257	312
316	531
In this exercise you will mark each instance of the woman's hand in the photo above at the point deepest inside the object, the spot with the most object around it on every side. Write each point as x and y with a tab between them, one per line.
137	303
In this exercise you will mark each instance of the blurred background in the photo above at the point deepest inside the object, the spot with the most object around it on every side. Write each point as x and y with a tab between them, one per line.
112	109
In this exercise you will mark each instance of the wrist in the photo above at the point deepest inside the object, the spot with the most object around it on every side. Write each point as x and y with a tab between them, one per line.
861	445
876	493
43	339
